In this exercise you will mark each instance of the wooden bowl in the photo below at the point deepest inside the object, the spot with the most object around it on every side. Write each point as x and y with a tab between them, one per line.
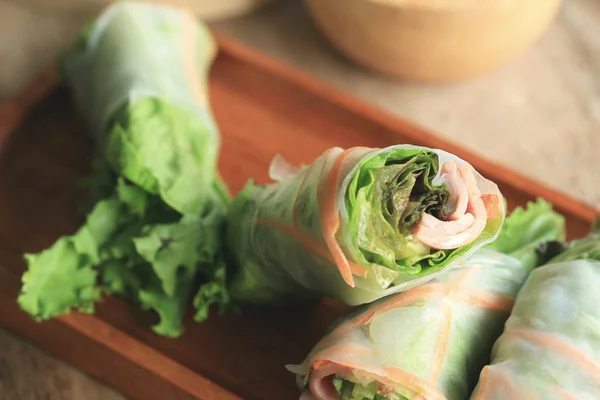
432	40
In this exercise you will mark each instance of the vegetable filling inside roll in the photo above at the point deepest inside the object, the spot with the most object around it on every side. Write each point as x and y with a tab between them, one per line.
400	217
359	224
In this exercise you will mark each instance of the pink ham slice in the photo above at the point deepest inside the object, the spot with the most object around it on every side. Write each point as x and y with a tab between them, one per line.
468	219
459	194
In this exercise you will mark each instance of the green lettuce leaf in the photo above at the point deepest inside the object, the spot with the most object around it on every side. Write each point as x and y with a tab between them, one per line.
64	276
587	247
171	248
526	233
386	199
180	151
159	205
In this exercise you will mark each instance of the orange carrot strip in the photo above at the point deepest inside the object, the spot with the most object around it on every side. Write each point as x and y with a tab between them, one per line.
492	205
561	346
442	344
453	289
478	298
487	300
399	300
330	218
443	340
311	244
307	239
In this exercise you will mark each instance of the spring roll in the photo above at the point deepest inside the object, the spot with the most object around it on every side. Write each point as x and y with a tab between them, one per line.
138	74
550	347
430	343
359	224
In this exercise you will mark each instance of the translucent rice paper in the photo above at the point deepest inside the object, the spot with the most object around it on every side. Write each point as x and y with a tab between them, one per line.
282	235
428	343
550	349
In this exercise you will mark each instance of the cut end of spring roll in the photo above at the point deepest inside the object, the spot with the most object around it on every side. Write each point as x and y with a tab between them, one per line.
361	223
409	209
430	342
410	344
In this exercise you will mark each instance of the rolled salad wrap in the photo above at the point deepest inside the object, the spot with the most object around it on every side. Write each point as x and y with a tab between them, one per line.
550	347
359	224
430	342
138	75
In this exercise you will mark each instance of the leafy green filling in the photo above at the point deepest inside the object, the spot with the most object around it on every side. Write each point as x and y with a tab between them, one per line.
163	149
355	391
387	198
531	234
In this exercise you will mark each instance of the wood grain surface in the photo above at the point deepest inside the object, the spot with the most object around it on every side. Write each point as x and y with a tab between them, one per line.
538	114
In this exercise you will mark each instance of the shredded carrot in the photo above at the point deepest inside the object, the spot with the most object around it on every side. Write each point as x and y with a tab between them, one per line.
310	244
455	290
399	300
487	300
330	217
492	205
561	346
443	342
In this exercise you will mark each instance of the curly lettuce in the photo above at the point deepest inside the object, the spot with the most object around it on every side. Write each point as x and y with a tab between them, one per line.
138	75
359	224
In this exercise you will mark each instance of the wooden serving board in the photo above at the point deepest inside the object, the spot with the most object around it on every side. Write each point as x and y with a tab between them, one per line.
263	108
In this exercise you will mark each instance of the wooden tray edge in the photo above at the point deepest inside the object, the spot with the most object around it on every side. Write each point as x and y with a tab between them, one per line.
345	100
14	110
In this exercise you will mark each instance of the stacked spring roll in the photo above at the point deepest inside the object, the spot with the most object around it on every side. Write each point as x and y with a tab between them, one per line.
550	348
359	224
431	342
138	74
